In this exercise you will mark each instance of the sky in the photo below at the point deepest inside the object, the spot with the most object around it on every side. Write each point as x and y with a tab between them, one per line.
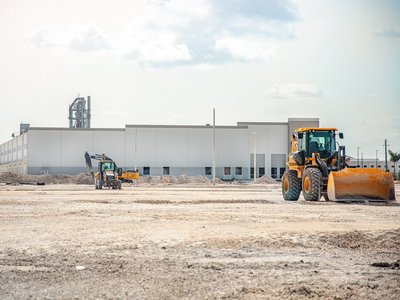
173	61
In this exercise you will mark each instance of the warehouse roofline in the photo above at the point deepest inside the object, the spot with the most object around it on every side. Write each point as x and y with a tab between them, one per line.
261	123
184	126
76	129
302	119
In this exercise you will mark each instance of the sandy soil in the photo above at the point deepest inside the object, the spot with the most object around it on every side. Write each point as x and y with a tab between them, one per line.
201	242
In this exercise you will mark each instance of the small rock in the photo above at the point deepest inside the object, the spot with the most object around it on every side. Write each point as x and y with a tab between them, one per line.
372	286
380	264
80	268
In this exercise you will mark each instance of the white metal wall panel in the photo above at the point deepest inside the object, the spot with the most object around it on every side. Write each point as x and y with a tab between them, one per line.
147	147
172	144
111	143
44	148
73	147
199	147
232	147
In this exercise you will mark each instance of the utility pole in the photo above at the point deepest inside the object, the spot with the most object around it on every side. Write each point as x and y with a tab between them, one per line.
376	158
362	160
386	166
213	153
358	157
255	158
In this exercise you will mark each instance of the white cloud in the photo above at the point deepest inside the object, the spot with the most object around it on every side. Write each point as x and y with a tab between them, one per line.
246	48
165	33
147	45
294	91
388	33
80	37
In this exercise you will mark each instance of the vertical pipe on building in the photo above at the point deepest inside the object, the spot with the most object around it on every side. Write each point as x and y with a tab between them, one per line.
89	107
135	164
213	152
157	153
70	116
187	151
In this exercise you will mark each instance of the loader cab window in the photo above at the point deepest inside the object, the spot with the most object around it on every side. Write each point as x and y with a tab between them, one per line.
107	166
322	142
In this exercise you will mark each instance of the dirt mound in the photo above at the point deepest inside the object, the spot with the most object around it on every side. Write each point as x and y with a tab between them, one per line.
265	180
387	240
181	179
13	179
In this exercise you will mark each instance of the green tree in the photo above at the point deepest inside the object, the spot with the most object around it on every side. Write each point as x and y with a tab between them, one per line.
394	157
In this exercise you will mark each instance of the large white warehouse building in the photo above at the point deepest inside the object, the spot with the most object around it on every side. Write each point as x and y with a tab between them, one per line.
156	150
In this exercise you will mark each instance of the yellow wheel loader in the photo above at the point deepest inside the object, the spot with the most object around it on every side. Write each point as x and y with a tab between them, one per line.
318	167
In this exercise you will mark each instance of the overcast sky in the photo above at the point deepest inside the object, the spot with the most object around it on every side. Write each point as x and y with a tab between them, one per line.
171	62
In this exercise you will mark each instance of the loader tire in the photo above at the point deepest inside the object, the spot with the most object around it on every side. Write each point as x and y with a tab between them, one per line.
100	183
291	186
311	186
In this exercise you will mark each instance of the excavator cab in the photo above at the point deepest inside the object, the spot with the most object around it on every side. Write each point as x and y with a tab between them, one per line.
318	167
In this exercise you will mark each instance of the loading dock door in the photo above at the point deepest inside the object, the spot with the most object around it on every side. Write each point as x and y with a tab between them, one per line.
260	165
278	165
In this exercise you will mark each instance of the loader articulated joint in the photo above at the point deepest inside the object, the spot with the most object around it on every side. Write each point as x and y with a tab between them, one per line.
322	166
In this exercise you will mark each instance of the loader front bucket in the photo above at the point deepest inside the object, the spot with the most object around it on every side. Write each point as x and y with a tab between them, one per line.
357	184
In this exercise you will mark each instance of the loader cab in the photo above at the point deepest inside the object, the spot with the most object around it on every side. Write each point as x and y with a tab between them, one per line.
318	140
106	166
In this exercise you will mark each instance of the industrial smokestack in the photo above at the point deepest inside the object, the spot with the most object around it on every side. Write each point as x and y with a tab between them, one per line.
79	113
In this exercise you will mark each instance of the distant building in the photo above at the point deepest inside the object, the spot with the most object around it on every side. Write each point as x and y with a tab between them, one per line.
156	150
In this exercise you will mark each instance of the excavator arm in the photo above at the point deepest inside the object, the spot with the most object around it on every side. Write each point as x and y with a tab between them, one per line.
95	156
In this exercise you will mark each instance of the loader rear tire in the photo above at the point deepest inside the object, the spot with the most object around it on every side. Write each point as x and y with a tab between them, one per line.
291	186
311	186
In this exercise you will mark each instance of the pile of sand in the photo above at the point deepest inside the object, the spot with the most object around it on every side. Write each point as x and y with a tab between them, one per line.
182	179
82	178
265	180
13	179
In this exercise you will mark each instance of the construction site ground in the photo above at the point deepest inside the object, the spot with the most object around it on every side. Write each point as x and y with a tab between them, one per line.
166	241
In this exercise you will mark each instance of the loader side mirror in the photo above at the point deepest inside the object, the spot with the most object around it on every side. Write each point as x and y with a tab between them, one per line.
300	135
119	171
341	136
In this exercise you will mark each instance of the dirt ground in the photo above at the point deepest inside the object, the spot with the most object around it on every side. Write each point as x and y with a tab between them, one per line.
227	241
